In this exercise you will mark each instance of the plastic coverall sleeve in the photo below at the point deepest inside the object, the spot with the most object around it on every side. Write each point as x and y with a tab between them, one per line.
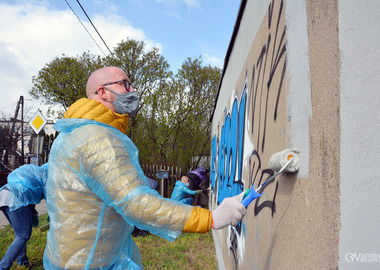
27	185
114	174
180	190
188	191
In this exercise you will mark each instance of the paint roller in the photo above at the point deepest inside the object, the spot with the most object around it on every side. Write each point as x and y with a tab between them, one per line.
285	161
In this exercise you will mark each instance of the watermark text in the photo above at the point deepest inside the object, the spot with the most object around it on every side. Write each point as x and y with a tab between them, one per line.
362	257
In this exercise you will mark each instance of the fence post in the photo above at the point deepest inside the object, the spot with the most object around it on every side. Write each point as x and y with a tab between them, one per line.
166	186
162	183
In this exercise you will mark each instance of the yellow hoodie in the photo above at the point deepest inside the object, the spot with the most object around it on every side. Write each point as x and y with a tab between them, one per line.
96	192
200	219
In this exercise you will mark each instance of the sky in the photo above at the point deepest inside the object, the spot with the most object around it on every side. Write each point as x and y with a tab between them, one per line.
34	32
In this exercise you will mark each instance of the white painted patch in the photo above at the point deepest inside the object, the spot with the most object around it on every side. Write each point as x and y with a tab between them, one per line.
299	96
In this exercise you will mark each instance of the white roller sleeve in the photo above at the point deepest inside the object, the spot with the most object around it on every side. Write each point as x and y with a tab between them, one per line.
278	160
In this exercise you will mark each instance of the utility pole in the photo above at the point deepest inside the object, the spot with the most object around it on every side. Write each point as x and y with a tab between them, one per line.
12	148
14	144
22	130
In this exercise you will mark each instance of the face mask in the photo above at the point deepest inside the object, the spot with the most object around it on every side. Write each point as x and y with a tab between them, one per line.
127	103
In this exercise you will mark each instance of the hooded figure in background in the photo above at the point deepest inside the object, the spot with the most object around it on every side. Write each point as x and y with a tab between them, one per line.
199	180
96	191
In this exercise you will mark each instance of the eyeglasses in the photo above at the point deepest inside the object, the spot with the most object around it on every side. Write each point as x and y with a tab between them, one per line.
127	84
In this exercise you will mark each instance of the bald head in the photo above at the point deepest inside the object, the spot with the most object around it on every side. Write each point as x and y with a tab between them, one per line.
96	90
103	76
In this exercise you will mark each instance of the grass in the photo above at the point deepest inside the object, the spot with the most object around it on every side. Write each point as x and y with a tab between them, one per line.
188	251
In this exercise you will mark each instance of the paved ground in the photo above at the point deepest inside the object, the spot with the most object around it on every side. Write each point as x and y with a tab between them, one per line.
41	208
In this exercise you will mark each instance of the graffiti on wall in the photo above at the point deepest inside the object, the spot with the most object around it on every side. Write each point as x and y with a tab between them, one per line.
252	116
230	153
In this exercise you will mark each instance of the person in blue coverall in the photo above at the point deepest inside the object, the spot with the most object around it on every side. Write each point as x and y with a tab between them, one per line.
96	191
17	201
181	189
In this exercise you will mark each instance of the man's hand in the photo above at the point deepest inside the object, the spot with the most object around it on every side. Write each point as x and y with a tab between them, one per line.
229	212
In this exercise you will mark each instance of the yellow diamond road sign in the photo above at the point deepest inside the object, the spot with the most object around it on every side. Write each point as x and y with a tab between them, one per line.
37	122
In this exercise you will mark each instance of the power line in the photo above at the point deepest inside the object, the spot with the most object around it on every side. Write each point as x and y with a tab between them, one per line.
94	27
85	27
8	106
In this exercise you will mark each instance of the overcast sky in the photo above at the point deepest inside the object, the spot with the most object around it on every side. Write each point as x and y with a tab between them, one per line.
33	33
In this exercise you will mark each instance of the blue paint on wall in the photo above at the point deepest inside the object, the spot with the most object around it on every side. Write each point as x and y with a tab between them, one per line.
227	178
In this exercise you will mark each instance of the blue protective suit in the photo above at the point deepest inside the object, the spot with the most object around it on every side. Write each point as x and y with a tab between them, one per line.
96	193
180	191
26	185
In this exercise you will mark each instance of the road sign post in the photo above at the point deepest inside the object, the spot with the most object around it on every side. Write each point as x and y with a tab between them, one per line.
163	174
37	123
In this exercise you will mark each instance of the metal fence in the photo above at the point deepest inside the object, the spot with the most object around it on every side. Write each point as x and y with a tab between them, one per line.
166	184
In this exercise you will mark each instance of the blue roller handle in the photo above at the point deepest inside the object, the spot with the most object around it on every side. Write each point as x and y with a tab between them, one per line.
248	198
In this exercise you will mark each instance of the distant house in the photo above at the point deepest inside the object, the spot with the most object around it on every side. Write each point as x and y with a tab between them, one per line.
12	154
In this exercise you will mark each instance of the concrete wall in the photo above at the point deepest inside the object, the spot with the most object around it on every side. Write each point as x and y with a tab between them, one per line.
359	44
291	81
